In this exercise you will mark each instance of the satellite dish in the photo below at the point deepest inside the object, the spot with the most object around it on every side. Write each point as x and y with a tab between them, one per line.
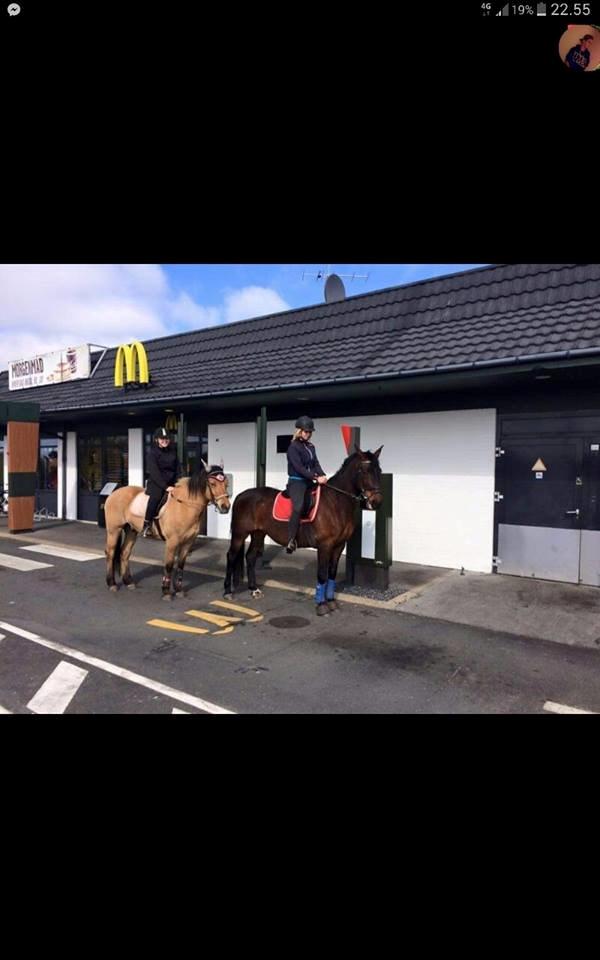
334	289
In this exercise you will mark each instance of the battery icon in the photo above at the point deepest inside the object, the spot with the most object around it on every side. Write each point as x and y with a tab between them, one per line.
541	9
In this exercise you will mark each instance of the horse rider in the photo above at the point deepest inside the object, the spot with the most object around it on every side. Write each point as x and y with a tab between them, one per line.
163	472
304	469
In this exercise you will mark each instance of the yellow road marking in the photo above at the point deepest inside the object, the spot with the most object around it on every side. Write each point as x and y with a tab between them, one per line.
213	617
234	606
175	626
226	630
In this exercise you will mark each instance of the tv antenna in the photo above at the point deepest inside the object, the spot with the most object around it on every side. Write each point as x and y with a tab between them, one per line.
334	287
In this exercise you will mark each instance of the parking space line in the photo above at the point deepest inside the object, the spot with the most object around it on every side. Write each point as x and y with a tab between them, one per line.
21	563
171	625
552	707
4	710
66	552
56	693
175	710
162	688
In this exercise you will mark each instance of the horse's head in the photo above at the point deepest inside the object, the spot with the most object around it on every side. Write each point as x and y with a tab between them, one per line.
367	476
217	487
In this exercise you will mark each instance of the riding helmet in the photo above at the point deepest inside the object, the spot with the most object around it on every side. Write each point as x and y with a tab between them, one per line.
304	423
161	434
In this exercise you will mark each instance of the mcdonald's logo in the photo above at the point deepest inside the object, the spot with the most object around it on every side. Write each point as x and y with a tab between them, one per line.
171	423
131	359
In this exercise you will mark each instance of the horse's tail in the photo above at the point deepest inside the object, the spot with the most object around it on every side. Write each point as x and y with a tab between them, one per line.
119	547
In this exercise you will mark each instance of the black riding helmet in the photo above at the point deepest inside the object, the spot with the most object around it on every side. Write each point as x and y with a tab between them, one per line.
161	434
304	423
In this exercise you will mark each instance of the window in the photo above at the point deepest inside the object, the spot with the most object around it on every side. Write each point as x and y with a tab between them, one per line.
48	468
283	443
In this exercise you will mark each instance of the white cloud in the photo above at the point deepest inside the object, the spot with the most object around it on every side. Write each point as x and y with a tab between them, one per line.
252	302
46	307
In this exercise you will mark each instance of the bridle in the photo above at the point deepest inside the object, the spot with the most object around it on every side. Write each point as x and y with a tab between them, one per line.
362	496
224	496
212	499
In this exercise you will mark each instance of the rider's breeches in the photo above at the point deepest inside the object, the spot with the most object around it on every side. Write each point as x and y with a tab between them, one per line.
298	490
156	494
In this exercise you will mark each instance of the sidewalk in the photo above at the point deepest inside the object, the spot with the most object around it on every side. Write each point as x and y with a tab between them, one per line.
560	612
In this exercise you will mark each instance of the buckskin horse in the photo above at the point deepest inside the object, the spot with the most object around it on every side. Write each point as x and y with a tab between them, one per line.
358	479
179	523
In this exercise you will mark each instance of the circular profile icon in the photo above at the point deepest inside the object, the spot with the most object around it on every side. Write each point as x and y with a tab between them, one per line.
579	48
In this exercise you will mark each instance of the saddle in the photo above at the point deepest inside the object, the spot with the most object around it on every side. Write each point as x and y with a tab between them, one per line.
282	507
140	503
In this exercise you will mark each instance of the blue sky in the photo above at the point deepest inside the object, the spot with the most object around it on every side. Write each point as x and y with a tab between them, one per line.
209	283
46	307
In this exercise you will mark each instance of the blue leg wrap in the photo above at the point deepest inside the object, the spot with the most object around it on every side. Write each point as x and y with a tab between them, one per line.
320	593
330	595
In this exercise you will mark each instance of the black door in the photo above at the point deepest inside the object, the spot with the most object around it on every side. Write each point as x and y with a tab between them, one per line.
540	515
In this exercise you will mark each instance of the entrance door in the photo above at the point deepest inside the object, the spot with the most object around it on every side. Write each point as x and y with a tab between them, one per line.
549	517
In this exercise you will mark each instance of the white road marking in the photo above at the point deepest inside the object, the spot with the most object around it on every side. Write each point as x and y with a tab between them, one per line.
56	693
2	635
66	552
562	708
118	671
21	563
4	710
175	710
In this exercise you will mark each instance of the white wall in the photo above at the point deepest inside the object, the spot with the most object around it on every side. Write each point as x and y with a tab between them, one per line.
136	457
235	444
444	467
71	478
443	464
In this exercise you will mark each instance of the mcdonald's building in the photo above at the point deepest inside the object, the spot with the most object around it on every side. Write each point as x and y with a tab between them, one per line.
483	386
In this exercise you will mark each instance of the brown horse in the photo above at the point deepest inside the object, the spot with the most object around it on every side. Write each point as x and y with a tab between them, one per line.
357	479
179	524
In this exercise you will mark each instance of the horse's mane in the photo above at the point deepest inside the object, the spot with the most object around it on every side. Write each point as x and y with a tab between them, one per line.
353	458
198	480
197	483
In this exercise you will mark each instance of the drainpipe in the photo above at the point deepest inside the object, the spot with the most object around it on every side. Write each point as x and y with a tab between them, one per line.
261	448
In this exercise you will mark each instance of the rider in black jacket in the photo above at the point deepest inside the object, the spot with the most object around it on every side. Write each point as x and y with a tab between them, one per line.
163	472
304	469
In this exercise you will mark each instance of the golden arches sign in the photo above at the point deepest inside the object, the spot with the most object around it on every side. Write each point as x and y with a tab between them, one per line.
171	423
129	357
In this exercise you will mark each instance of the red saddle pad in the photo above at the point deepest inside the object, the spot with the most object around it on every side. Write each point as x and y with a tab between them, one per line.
282	507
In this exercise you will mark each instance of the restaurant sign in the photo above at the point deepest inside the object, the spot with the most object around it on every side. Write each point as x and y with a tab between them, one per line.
72	363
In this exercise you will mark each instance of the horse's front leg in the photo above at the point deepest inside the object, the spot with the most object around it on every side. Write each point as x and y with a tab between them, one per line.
334	560
170	548
323	557
184	550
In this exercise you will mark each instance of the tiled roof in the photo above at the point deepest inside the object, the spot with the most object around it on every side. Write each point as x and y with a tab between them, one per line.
489	315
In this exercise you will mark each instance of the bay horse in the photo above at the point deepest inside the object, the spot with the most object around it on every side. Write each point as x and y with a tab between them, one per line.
358	479
179	524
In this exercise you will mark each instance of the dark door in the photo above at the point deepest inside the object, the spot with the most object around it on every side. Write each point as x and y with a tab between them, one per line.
540	515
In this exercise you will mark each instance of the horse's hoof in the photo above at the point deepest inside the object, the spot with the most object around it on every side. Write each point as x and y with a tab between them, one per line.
131	586
322	610
227	596
114	588
333	605
257	594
